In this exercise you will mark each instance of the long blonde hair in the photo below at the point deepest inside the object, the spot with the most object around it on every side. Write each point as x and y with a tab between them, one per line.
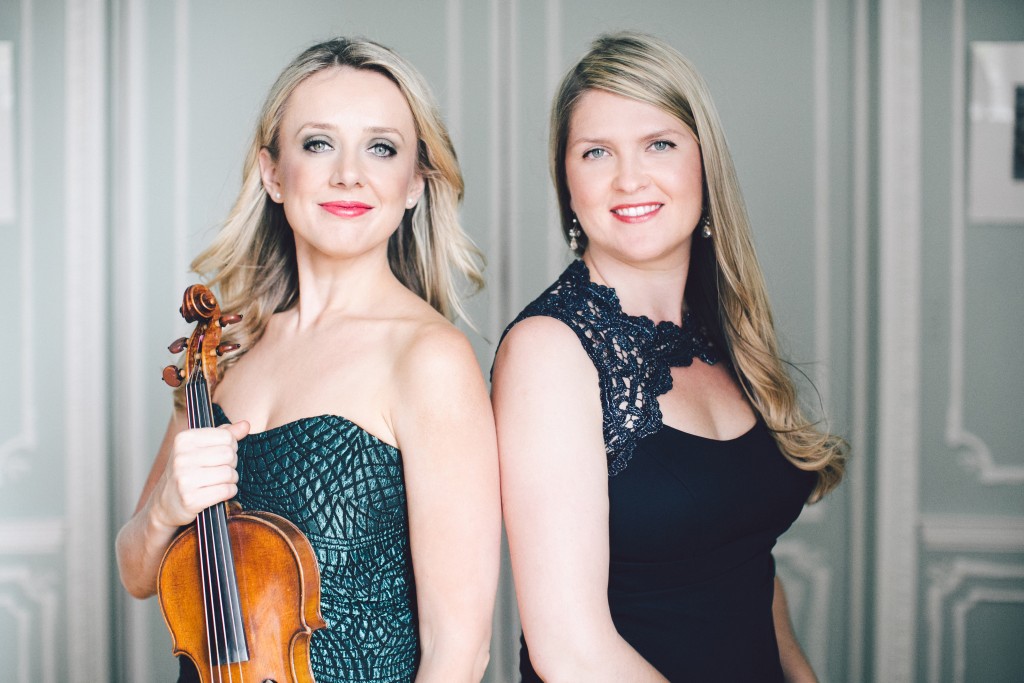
251	262
725	286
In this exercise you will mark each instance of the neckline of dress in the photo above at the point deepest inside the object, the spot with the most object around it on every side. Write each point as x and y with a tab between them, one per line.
663	334
309	418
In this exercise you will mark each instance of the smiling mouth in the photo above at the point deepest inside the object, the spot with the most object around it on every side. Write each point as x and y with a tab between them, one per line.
636	210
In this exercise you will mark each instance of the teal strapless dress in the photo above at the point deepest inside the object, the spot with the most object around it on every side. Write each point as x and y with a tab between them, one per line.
344	489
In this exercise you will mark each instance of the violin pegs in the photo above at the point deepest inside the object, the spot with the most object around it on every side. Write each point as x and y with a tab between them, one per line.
227	348
226	320
173	375
178	345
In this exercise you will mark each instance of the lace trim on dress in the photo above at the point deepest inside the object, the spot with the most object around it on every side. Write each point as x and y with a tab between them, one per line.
632	354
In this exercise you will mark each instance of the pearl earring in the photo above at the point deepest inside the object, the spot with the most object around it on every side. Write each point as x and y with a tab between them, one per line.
706	230
278	195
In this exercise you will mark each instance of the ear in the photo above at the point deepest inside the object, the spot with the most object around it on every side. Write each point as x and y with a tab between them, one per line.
416	188
268	172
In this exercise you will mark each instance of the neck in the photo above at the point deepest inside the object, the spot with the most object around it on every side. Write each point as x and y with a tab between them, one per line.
656	291
351	286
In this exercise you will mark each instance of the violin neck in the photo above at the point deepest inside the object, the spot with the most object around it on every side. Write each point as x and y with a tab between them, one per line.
225	627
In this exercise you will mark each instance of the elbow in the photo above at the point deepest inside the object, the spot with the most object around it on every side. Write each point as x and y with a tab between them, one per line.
130	579
569	656
455	655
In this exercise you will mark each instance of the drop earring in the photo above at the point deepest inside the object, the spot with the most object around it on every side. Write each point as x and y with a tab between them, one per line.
574	232
706	230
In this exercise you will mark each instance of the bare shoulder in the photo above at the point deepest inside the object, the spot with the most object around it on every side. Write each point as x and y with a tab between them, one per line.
435	353
539	346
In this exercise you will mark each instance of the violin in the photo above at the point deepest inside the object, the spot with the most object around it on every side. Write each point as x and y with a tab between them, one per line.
239	590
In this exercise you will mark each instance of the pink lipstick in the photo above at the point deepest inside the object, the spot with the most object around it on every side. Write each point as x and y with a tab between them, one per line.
346	209
636	213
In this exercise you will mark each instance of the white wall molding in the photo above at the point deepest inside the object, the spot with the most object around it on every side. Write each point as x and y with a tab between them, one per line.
897	477
976	454
822	209
857	474
961	609
31	600
131	450
946	579
972	533
34	536
797	557
15	451
85	318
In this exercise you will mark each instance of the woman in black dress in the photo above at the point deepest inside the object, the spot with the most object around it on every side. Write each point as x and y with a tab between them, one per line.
651	444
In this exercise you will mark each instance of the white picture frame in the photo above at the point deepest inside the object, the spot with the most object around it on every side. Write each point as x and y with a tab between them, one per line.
996	120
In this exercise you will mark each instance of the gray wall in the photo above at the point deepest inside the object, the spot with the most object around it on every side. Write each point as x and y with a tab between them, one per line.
849	128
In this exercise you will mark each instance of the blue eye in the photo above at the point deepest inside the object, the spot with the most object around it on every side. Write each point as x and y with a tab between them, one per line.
662	145
596	153
382	149
316	145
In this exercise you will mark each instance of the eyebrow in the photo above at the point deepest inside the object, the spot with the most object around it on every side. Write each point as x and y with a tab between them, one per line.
375	130
605	141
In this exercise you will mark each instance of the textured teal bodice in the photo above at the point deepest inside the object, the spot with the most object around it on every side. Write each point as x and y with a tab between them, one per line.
343	488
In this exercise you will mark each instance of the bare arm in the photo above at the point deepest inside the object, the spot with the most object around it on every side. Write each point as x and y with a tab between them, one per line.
795	666
193	470
554	483
445	430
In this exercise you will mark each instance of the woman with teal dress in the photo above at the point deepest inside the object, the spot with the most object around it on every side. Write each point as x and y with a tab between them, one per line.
355	408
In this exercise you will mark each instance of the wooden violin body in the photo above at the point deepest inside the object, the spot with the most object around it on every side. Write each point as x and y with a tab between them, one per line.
239	590
279	599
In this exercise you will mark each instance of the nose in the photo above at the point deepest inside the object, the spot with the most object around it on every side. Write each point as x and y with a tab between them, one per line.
631	175
348	170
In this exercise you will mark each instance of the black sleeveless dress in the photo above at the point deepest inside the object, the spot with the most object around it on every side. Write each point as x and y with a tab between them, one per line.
692	521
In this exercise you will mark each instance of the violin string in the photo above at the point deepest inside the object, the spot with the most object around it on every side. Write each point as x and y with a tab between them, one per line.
229	589
216	553
204	566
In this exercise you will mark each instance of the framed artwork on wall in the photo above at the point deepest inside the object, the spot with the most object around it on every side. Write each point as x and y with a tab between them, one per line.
995	192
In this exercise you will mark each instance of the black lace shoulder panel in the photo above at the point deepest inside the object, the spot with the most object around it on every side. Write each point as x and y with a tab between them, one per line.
632	355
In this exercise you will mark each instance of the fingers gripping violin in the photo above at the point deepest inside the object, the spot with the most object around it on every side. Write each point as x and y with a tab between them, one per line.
239	590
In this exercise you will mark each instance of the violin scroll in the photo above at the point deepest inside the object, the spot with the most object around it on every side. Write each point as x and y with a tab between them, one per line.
203	346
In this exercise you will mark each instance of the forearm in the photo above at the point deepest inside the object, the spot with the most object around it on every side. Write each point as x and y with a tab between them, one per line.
140	547
795	667
450	656
593	655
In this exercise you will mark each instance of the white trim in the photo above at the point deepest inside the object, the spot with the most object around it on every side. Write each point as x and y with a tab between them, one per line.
822	210
22	637
960	610
511	231
976	455
131	449
899	339
557	251
181	144
34	536
453	61
37	589
857	474
498	284
972	533
85	370
946	579
14	460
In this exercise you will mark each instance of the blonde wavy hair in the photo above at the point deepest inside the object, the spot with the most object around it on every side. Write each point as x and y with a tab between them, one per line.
251	262
725	286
